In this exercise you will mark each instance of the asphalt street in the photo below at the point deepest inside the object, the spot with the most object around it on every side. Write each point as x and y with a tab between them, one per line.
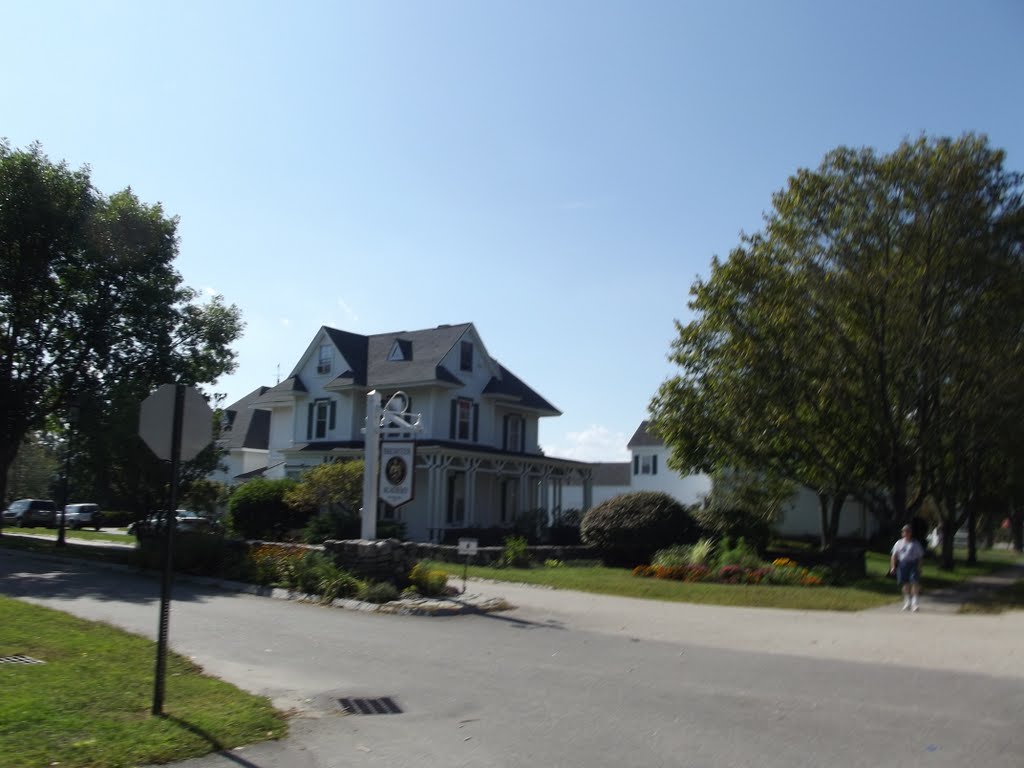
582	680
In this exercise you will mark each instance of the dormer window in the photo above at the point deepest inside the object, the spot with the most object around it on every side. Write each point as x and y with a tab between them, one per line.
466	356
324	359
401	351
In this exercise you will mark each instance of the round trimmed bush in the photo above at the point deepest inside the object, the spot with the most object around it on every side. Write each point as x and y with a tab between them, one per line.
257	509
629	528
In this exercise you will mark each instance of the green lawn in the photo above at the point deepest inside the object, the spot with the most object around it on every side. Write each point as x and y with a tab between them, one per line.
873	591
90	703
87	534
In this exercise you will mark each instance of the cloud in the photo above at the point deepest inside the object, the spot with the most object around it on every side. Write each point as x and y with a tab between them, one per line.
352	316
211	292
285	322
595	443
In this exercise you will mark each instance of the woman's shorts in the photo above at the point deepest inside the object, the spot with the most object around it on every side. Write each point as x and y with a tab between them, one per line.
908	572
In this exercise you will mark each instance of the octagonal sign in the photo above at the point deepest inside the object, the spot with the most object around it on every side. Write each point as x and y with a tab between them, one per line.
156	422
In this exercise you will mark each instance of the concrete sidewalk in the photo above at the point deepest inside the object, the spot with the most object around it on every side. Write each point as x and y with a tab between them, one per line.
951	599
936	637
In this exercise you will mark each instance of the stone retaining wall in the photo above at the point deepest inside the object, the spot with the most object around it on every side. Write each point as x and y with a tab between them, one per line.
391	559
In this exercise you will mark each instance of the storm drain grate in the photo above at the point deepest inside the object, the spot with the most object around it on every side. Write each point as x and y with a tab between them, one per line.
384	705
19	659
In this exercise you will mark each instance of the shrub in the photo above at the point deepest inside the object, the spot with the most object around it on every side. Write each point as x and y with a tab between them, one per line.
629	528
335	523
427	580
391	529
676	555
740	554
515	554
380	592
743	504
257	509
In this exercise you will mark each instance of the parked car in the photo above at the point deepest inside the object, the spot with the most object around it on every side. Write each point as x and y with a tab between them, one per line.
185	520
31	513
78	516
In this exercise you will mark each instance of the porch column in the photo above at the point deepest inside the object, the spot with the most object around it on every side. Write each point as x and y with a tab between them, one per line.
588	489
471	467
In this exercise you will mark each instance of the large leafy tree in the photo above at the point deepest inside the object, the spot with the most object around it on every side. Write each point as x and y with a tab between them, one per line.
93	316
868	341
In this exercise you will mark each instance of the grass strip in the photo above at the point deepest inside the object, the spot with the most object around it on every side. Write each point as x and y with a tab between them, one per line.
874	590
89	704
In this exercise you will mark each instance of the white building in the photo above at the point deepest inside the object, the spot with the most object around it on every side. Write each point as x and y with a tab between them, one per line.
478	462
648	470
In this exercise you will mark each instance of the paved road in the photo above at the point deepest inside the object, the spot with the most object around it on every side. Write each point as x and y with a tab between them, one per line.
582	680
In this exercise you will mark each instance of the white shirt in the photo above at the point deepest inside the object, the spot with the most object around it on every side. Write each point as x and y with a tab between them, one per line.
907	551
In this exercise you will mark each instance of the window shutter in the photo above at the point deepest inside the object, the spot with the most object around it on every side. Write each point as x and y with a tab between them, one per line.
309	422
476	421
636	465
504	434
451	421
522	434
654	464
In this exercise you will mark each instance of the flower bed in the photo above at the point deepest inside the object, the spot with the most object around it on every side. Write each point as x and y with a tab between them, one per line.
781	571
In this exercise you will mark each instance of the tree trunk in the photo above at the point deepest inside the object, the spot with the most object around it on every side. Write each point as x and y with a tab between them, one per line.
826	529
947	545
837	507
972	543
1017	525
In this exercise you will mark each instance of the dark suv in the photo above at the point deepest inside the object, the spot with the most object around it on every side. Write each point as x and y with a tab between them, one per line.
31	513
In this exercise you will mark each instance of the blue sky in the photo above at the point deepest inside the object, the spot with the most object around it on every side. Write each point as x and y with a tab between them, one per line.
558	173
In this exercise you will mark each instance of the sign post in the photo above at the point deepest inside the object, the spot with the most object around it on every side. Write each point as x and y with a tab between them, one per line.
467	547
395	484
176	423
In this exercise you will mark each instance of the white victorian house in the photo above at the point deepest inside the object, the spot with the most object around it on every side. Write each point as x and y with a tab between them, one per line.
478	461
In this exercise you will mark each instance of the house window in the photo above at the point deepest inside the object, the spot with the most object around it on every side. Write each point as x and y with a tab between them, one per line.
648	465
463	424
320	419
466	356
514	434
324	359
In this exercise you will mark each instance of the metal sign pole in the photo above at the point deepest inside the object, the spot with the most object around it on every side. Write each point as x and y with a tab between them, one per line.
165	586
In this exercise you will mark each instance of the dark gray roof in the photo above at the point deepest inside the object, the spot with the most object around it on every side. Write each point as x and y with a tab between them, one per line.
353	348
643	437
290	386
427	349
422	354
510	385
245	427
611	473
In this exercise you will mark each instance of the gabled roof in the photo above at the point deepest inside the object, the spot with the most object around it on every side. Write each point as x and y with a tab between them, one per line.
508	385
643	437
353	348
245	427
418	361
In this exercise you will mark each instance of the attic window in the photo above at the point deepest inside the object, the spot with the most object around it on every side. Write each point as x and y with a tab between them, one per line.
324	359
401	351
466	356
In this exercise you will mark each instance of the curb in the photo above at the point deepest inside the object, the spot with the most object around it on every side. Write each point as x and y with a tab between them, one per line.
418	606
